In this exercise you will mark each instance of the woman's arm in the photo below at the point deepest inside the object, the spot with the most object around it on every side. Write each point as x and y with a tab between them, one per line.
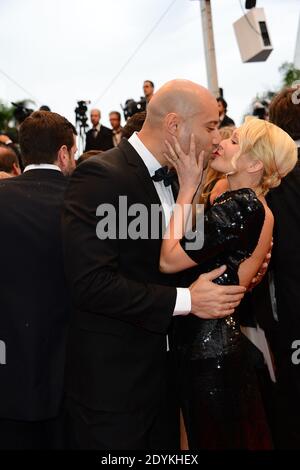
189	169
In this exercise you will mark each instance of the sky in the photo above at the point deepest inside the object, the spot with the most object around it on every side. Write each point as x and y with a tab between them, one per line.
63	51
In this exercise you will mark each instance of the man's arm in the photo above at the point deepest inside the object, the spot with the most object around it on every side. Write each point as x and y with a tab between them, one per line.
98	287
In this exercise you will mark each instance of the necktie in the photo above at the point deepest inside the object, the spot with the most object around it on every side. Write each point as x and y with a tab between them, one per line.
165	175
95	132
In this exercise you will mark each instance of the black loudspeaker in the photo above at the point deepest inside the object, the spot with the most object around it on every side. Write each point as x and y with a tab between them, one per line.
250	4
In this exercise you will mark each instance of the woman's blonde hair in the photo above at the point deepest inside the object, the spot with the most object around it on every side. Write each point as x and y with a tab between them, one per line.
226	132
213	176
271	145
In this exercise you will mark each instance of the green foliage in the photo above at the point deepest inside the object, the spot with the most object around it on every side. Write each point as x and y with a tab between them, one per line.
6	116
8	122
289	74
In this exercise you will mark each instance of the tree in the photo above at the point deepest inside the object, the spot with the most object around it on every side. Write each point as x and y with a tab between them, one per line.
289	74
6	115
11	116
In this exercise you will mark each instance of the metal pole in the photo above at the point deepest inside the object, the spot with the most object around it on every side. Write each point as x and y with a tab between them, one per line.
209	46
297	49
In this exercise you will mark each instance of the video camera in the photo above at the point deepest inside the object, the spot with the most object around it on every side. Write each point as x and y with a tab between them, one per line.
21	112
131	107
80	113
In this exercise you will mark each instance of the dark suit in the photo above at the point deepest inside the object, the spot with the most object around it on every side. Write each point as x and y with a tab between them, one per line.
226	121
102	141
284	202
123	305
34	307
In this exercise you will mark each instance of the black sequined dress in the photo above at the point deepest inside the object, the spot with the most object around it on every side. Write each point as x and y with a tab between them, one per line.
220	399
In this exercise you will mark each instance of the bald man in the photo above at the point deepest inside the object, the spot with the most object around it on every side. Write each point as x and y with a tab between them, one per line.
99	137
123	305
9	165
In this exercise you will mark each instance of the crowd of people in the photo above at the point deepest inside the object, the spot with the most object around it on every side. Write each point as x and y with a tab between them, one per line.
124	332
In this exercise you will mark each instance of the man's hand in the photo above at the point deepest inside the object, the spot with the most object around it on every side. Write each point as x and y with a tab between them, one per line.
211	301
262	270
4	175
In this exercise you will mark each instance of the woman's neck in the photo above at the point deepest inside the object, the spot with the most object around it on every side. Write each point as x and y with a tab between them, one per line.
238	182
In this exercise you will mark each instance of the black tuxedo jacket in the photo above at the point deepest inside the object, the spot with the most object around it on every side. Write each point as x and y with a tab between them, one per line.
284	202
34	306
123	305
227	121
103	141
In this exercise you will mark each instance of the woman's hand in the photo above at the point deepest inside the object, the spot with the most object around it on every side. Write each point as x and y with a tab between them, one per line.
189	167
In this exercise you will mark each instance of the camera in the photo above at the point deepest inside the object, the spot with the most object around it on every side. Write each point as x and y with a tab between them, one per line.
21	112
80	113
131	107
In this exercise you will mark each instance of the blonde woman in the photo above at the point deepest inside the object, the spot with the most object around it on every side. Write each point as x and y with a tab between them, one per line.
220	401
214	177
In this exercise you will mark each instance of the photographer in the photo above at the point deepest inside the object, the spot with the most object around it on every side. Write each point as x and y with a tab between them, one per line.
99	137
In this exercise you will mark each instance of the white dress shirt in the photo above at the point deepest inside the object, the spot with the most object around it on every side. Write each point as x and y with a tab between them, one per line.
98	127
117	136
41	166
183	299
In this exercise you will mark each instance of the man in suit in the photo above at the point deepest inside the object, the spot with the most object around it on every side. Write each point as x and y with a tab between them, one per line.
148	88
224	120
115	122
123	305
9	164
279	314
34	302
99	137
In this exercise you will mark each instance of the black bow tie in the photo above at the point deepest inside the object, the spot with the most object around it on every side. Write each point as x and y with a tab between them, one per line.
165	175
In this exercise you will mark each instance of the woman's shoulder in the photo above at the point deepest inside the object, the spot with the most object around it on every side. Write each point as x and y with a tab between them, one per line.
240	204
243	197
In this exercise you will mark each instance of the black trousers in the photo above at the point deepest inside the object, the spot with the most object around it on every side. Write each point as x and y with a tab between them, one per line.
37	435
101	430
153	428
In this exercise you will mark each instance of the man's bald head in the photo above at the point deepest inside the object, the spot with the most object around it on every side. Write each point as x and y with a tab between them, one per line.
96	111
178	109
95	116
9	161
183	97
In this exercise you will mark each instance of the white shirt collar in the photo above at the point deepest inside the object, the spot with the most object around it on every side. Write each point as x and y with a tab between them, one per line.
297	142
42	166
150	161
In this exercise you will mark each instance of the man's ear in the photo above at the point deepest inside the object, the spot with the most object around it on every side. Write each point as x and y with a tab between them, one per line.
63	157
255	166
172	122
16	169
